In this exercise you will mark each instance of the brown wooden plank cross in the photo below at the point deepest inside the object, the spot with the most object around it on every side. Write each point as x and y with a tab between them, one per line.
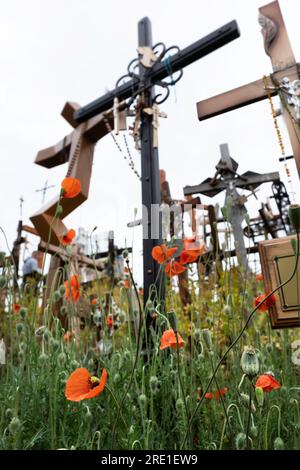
77	148
278	47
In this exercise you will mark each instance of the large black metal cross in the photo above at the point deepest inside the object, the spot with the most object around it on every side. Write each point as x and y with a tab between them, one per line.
142	80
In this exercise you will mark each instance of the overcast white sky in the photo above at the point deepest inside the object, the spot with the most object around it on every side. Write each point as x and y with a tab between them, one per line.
59	50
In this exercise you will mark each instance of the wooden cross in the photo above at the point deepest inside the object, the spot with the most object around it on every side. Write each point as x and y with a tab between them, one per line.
227	179
284	79
89	126
155	113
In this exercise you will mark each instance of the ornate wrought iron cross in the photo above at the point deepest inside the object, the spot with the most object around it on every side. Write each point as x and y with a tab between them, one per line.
153	66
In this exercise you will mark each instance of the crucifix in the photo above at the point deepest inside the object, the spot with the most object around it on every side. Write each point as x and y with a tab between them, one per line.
283	81
153	65
226	178
44	190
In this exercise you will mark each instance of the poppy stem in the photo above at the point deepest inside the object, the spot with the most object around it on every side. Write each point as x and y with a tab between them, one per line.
241	334
249	416
182	388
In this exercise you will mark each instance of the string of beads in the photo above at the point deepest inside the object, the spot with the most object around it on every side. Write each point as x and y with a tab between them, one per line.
127	157
279	135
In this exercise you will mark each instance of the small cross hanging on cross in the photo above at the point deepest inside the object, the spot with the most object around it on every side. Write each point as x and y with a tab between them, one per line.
148	56
156	113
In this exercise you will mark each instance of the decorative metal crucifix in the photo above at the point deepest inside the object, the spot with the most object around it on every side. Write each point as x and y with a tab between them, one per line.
226	178
93	121
283	81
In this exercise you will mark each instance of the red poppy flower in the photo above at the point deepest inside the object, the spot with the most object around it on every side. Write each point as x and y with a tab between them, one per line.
68	237
267	382
68	336
161	253
71	187
109	321
94	301
16	308
267	304
80	385
168	340
216	394
174	268
72	287
259	277
126	284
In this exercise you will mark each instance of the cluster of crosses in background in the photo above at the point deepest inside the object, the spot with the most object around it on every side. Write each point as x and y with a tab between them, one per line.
135	95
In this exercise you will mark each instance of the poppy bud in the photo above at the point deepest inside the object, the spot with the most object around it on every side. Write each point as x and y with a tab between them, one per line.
125	254
253	432
61	359
241	441
173	320
63	310
62	290
19	328
23	312
154	384
56	296
8	413
179	405
278	444
43	358
207	338
259	393
88	415
283	391
54	344
227	309
2	282
197	334
143	400
47	335
245	400
59	210
249	362
294	215
14	425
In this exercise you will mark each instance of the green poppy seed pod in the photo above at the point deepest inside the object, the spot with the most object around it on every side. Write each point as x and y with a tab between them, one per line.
241	441
278	444
294	215
249	362
173	320
125	254
59	210
56	296
14	426
23	312
62	290
74	364
245	401
2	282
207	338
19	328
260	398
143	400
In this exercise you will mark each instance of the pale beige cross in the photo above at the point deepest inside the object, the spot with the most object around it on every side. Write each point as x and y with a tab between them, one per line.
283	81
156	114
148	56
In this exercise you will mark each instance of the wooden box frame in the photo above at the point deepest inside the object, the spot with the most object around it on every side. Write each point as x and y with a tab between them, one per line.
277	263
